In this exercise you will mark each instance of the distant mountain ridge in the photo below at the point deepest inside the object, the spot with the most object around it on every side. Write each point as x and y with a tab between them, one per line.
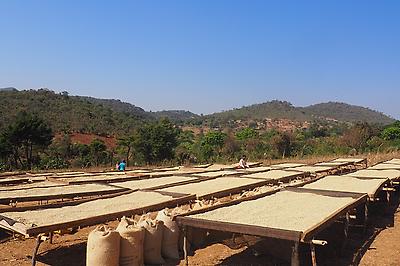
275	109
112	117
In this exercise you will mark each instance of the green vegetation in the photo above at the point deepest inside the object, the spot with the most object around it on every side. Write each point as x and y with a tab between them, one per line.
27	142
331	111
66	113
22	140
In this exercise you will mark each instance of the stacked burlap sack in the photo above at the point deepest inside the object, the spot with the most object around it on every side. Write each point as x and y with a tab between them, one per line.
148	241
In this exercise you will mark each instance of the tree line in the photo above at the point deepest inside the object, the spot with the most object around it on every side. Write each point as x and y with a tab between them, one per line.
28	143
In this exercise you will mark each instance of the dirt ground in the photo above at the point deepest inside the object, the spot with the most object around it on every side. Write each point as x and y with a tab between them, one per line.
373	249
382	248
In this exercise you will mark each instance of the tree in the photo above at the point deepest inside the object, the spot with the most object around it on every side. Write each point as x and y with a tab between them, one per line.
28	134
127	144
5	152
391	133
357	136
282	142
184	151
156	142
98	151
211	144
246	133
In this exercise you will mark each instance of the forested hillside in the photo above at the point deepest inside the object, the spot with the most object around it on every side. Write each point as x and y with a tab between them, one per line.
71	113
348	113
66	113
40	129
285	110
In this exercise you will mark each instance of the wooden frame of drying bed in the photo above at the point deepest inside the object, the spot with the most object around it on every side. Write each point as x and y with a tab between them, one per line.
296	237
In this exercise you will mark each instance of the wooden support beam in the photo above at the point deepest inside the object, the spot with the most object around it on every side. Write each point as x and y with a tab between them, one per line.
388	197
185	245
345	231
319	242
295	261
313	256
365	217
388	189
39	240
51	237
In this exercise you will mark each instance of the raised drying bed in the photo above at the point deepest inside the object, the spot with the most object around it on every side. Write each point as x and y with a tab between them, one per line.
293	214
286	165
30	223
258	169
219	173
13	180
372	173
313	169
157	183
57	192
350	184
97	179
277	175
218	187
385	166
393	161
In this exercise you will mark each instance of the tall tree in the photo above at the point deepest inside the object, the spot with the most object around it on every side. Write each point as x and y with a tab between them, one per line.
156	142
282	142
28	134
98	151
126	144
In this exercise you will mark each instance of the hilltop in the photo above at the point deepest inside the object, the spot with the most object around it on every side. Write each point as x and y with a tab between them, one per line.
331	111
113	117
72	113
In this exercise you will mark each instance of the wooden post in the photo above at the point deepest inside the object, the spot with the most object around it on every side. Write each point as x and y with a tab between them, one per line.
295	254
365	217
313	257
388	197
345	231
35	251
185	246
51	237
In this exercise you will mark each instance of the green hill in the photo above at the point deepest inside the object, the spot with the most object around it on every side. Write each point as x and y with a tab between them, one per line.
348	113
341	112
72	113
114	117
180	116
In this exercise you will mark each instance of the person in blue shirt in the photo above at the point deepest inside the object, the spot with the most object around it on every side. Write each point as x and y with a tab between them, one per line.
122	165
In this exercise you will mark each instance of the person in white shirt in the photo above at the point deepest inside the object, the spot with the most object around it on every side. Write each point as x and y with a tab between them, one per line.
243	163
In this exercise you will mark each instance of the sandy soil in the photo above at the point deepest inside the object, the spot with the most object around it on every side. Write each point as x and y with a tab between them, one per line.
385	249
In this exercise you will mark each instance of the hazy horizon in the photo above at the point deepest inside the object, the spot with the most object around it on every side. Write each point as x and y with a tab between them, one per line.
206	56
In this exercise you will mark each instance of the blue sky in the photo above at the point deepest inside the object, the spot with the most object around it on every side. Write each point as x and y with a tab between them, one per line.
206	56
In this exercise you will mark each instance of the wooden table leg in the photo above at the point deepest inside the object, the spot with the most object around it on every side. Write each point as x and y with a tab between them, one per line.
39	240
185	246
313	256
295	255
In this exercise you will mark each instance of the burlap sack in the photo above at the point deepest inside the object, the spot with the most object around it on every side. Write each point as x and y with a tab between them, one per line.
103	247
132	243
169	248
152	241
